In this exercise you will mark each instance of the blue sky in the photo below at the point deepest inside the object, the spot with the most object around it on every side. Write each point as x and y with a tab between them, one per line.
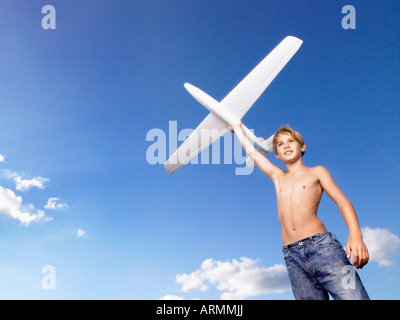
77	102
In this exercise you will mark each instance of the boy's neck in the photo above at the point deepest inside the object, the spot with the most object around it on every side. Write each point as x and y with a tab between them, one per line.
293	167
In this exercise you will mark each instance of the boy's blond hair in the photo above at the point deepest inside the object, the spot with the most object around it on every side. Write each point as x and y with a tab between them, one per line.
287	130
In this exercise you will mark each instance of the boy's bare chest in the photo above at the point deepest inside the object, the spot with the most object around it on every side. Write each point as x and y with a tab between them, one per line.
300	185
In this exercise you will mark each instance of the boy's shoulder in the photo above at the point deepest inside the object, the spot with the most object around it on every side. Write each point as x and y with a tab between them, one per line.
320	172
319	168
316	171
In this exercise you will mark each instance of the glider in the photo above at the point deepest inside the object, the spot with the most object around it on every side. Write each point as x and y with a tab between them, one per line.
233	107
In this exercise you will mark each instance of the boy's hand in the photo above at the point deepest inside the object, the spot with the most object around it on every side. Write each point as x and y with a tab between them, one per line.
235	126
360	252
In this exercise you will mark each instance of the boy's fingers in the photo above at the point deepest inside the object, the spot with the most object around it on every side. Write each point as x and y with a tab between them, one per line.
348	251
365	258
360	259
356	260
360	254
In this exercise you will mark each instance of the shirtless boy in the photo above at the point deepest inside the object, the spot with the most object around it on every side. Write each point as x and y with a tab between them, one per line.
316	261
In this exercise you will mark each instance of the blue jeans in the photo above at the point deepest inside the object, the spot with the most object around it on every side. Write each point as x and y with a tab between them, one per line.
318	265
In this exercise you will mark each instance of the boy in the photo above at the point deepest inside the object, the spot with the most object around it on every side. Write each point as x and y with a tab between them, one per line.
316	262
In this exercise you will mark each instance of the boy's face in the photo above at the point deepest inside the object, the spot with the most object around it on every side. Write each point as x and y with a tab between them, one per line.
288	148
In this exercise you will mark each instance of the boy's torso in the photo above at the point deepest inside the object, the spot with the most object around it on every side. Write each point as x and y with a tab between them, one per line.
298	197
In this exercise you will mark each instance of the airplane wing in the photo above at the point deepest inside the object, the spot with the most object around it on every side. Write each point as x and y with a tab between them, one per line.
205	134
243	96
234	106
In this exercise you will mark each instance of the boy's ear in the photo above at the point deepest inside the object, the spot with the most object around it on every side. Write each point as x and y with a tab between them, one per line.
303	149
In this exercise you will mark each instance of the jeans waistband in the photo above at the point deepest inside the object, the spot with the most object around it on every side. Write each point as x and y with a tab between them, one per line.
308	239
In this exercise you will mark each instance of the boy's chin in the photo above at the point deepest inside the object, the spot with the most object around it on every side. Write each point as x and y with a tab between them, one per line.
290	159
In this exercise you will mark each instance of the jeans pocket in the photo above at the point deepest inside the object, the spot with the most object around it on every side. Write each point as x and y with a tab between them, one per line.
327	240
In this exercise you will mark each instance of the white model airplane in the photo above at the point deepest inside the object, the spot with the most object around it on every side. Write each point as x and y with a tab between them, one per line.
233	107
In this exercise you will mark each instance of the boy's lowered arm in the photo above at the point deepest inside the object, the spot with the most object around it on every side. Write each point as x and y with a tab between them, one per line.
355	242
262	162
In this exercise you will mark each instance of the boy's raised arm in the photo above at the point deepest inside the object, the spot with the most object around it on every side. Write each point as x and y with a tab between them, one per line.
262	162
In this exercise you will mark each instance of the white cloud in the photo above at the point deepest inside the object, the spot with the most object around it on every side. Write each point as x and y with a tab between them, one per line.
381	244
237	279
25	184
11	205
80	233
2	158
53	205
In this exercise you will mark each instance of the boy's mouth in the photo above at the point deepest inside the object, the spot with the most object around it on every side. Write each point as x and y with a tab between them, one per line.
288	152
